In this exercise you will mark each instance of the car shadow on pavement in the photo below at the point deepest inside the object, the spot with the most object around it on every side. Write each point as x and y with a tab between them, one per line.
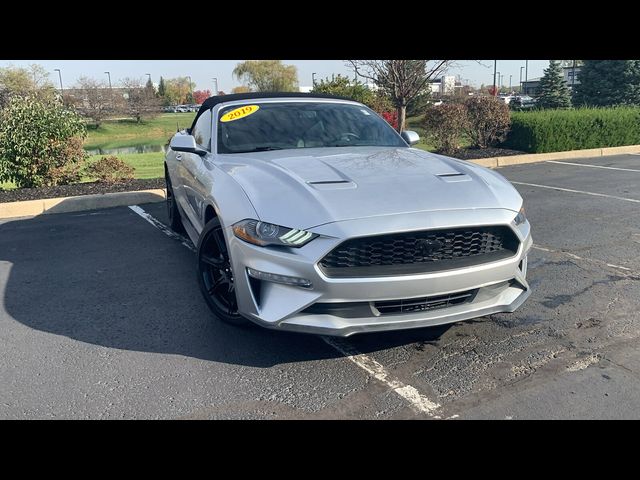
110	279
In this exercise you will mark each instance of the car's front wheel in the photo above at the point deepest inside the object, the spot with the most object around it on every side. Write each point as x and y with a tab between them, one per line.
215	275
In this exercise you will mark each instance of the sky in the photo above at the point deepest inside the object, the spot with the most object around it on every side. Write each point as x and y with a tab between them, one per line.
202	72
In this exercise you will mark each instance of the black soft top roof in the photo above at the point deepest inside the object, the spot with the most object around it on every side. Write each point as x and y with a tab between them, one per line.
213	101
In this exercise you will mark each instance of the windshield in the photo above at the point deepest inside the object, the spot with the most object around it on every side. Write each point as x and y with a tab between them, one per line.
260	127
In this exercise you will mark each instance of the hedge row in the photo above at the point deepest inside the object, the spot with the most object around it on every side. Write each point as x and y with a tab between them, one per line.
543	131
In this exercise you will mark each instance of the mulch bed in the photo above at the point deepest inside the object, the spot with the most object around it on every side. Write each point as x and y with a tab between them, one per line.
473	153
90	188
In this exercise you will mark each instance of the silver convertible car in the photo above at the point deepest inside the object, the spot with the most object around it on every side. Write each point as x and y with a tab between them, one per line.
311	213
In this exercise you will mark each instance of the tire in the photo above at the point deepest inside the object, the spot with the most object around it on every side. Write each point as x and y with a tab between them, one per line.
175	222
215	276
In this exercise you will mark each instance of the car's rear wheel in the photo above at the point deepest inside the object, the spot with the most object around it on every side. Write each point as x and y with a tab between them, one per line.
215	274
175	222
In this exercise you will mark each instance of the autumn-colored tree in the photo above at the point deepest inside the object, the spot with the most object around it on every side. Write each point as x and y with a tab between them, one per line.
26	81
199	96
177	90
267	75
240	89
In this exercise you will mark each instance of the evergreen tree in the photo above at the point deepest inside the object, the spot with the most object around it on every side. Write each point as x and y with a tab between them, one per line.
608	82
149	88
161	88
553	91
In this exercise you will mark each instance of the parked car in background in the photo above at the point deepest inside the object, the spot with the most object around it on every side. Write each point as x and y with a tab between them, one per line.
522	102
310	213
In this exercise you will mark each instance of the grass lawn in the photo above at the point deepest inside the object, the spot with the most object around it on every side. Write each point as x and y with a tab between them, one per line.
147	165
128	133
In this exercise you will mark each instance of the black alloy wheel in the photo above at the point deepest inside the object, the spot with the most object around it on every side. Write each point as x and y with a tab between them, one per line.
215	275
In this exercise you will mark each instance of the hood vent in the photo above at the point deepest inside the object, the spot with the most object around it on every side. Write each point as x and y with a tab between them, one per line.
332	184
328	182
454	177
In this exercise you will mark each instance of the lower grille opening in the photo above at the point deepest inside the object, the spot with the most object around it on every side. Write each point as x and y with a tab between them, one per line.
411	305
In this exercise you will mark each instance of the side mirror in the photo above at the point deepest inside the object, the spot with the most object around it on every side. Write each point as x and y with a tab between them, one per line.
186	143
410	137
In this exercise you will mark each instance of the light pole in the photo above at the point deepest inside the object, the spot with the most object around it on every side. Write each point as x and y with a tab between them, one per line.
526	71
110	89
215	91
313	79
61	88
510	83
573	76
521	68
498	84
495	65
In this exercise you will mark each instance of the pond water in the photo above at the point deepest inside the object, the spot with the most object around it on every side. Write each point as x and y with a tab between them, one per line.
127	150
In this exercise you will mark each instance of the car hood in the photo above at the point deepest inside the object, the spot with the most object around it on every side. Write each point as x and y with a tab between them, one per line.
311	187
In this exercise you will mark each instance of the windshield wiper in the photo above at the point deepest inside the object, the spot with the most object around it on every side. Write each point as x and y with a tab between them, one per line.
258	149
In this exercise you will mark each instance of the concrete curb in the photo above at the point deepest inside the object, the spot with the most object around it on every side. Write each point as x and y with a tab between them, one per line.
494	162
79	203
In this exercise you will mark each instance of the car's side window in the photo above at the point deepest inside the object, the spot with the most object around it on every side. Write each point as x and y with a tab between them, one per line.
202	130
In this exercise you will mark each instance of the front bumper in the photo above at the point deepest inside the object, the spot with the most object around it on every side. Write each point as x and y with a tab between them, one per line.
501	285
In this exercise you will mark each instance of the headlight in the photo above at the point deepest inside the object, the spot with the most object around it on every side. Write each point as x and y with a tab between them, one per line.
263	233
520	218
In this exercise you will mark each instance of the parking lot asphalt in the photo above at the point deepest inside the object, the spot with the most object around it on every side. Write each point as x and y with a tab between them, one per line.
101	317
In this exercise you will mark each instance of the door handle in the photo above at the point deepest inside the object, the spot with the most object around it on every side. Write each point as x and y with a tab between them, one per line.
178	156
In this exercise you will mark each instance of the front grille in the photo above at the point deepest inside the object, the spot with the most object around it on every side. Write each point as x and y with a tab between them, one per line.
419	252
391	307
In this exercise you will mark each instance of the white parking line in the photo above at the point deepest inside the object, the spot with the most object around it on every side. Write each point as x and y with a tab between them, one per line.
624	199
418	401
594	166
162	227
576	257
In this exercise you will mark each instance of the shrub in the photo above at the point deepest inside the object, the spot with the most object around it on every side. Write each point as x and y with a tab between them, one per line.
488	121
391	118
560	130
444	125
110	170
38	142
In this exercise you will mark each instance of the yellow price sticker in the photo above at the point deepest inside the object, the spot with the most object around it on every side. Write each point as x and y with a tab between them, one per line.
239	113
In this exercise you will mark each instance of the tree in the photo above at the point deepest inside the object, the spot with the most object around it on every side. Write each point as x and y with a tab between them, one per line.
149	86
553	91
177	91
402	80
345	87
267	75
161	88
608	83
40	142
26	81
240	89
94	100
139	102
200	96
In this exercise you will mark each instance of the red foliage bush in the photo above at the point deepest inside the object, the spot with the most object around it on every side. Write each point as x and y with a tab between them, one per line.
391	118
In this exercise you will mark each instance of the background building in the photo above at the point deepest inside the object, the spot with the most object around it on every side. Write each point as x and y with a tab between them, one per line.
530	87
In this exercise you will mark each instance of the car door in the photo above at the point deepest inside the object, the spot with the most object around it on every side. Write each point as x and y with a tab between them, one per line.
192	171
